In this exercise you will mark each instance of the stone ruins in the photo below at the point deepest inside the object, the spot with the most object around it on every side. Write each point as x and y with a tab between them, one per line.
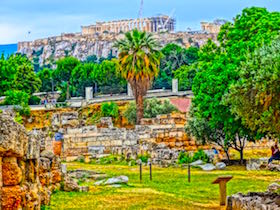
162	138
28	172
152	24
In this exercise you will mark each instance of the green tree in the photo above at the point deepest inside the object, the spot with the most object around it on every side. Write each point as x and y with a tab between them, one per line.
138	63
185	75
218	70
255	98
26	80
9	68
173	58
63	72
45	76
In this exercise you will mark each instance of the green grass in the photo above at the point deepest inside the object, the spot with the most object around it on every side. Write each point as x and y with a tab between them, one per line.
168	190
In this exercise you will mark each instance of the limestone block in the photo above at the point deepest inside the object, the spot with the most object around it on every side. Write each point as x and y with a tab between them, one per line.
11	197
13	137
56	176
11	172
33	149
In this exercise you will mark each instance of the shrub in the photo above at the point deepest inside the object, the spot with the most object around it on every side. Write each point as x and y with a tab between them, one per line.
16	97
152	108
34	100
184	157
144	158
110	109
200	155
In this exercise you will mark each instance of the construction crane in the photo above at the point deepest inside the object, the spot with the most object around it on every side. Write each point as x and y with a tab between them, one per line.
140	14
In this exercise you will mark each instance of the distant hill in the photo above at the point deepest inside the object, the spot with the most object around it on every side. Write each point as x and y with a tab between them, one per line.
8	49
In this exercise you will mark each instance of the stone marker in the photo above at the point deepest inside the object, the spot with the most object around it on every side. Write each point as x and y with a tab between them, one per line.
89	93
222	181
174	85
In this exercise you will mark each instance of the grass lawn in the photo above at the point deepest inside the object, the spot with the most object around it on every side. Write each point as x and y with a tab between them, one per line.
168	190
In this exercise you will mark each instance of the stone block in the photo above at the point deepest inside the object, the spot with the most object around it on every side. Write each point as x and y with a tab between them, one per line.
11	197
13	137
11	172
55	176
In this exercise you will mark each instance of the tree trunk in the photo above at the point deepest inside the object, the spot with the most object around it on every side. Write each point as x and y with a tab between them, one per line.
67	92
139	108
241	155
227	154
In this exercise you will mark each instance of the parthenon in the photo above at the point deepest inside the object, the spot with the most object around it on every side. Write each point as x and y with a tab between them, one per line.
152	24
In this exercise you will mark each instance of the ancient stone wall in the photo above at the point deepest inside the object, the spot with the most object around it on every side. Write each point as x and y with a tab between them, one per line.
253	201
27	176
163	138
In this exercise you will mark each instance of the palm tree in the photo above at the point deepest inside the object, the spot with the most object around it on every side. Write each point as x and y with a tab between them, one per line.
138	62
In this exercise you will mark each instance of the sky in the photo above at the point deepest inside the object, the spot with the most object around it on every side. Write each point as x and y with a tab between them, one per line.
22	20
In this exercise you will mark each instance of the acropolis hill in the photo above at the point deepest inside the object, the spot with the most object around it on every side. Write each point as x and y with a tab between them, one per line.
98	39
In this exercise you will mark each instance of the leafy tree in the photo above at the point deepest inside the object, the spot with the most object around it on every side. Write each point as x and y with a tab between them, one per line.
63	72
185	75
26	80
45	76
11	69
173	58
138	63
218	70
255	98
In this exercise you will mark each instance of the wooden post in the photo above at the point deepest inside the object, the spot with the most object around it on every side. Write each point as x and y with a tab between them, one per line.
189	173
222	181
150	170
140	169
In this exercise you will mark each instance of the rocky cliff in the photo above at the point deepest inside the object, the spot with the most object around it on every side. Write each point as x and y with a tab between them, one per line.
46	51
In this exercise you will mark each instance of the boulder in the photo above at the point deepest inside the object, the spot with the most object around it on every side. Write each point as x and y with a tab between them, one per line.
220	165
47	154
70	185
197	163
13	137
101	182
273	187
207	167
117	180
11	172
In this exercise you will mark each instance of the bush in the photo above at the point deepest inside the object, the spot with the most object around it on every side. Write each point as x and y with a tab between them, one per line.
144	158
185	157
152	108
110	109
16	97
200	155
34	100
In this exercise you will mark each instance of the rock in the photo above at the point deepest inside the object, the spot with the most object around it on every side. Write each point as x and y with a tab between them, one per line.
11	172
117	180
70	185
273	167
11	197
47	154
101	182
63	168
33	149
207	167
197	163
13	137
273	187
220	165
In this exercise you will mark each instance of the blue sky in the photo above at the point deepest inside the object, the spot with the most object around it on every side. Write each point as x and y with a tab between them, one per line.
45	18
